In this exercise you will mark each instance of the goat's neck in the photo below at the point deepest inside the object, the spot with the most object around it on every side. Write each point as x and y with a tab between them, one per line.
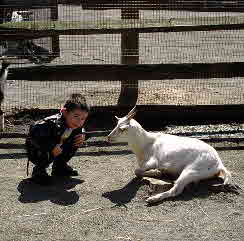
138	140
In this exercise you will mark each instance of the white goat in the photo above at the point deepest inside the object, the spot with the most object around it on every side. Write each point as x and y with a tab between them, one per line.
190	159
16	17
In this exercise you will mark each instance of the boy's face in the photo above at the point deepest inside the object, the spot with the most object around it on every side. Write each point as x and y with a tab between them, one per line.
75	118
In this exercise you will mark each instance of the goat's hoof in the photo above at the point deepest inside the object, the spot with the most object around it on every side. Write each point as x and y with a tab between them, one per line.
138	174
151	200
139	177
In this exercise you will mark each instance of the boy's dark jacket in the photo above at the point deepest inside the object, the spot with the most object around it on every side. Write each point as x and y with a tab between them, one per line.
44	135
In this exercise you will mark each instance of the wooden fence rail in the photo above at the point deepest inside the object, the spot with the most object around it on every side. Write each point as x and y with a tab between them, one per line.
130	71
18	34
126	72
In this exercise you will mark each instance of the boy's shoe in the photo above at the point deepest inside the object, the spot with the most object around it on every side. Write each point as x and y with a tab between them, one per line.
40	176
64	171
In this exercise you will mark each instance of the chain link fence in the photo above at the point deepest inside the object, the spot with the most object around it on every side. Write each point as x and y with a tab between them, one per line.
106	47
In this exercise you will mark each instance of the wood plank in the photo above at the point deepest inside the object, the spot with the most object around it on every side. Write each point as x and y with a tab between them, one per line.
129	55
124	22
167	114
105	133
55	38
37	29
30	4
94	72
205	6
18	34
54	9
178	114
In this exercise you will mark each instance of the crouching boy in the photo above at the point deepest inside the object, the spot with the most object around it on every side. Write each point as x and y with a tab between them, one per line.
56	140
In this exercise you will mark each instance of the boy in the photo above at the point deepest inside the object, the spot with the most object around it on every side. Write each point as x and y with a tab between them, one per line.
56	139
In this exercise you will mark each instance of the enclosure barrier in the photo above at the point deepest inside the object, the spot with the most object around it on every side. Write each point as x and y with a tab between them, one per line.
192	82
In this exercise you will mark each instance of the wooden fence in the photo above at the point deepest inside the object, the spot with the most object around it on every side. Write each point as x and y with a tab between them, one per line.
129	72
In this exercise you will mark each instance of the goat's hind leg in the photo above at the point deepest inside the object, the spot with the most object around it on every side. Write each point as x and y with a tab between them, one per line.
186	177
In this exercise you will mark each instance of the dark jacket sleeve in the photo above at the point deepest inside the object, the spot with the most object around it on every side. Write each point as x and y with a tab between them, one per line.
44	136
87	136
80	131
75	132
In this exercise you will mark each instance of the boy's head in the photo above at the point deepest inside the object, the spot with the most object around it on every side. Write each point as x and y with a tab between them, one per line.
75	111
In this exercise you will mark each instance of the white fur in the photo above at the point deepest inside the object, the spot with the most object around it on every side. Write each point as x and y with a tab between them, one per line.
16	17
188	158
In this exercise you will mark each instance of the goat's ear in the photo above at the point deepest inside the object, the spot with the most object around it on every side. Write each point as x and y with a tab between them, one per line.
123	127
116	117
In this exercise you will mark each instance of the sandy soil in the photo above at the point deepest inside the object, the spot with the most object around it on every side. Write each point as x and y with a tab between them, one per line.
106	202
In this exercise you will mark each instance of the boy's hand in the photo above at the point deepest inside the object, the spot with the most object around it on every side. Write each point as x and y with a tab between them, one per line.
79	140
57	150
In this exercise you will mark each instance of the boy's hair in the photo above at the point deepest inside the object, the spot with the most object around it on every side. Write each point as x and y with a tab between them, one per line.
76	101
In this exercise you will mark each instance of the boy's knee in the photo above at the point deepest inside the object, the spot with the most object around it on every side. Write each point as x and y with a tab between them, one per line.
39	158
69	149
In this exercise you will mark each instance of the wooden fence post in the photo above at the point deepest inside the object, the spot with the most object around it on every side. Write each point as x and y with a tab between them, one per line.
129	55
55	39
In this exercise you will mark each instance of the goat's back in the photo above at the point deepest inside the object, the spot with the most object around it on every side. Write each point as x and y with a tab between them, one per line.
174	153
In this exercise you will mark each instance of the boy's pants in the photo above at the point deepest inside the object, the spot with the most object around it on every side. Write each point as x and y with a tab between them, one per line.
43	159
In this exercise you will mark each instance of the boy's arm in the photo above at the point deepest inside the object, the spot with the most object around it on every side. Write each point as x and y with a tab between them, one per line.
79	131
76	132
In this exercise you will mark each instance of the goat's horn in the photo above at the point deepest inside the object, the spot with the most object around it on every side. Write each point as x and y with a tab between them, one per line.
132	112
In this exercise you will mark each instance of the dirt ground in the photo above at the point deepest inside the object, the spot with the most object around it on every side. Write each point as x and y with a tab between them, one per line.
107	202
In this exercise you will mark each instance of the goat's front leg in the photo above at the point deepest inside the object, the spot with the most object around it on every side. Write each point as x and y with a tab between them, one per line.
148	169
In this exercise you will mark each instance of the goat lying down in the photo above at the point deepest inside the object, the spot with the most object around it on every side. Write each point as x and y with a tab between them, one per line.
188	158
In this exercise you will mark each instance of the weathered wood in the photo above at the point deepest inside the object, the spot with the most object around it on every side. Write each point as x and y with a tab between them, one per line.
170	114
54	9
203	5
18	34
129	55
55	38
2	122
94	72
189	114
30	4
105	133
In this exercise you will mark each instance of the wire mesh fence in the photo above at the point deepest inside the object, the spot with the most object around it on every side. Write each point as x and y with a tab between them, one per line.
117	41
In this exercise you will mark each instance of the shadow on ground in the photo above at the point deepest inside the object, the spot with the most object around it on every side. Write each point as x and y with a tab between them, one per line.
202	190
57	193
123	196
